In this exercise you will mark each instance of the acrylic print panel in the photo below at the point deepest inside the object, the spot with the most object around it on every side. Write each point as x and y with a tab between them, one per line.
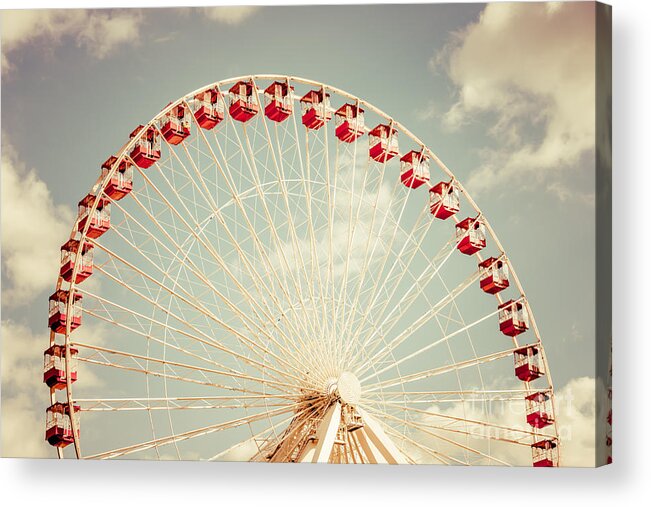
313	253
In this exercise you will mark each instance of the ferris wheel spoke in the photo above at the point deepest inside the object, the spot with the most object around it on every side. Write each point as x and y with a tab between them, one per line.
314	279
429	346
288	272
440	370
250	299
417	235
460	396
281	178
508	430
258	436
412	294
260	352
366	258
437	455
313	321
350	233
179	402
252	345
206	430
166	407
226	173
423	319
137	360
309	329
306	176
267	369
424	430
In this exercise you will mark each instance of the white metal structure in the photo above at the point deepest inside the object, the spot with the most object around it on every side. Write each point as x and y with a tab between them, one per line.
267	292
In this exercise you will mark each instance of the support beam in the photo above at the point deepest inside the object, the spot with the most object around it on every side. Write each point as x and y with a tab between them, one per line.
370	452
327	433
380	440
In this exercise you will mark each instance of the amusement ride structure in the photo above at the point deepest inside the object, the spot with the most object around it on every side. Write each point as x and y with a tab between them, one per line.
273	269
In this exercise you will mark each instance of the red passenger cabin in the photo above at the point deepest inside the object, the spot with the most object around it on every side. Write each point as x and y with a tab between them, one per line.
414	169
99	221
493	275
69	252
279	100
545	453
539	410
528	365
146	151
513	318
315	109
58	427
58	318
175	127
54	366
471	235
383	143
210	110
349	123
444	200
121	182
244	104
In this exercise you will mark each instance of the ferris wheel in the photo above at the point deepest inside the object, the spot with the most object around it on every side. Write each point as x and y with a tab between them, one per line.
248	281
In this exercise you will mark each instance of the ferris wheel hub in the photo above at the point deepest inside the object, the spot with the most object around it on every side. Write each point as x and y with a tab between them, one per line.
347	387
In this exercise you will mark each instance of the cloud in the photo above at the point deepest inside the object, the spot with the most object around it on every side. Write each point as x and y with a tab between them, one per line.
24	396
575	415
243	451
99	32
230	15
33	229
529	70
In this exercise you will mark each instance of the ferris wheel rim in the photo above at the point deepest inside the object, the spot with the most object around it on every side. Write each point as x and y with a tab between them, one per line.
122	154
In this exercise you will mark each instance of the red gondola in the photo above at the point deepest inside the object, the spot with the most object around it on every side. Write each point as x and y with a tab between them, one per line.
315	109
176	124
54	366
146	151
493	275
58	317
349	123
528	365
99	221
471	235
513	318
414	169
58	428
383	143
243	102
69	252
279	101
210	110
539	410
444	200
545	453
121	182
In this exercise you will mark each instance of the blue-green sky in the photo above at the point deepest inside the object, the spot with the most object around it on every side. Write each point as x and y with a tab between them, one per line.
503	95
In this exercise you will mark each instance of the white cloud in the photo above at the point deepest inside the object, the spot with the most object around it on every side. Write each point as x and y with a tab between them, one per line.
575	416
24	396
33	230
530	70
230	15
98	32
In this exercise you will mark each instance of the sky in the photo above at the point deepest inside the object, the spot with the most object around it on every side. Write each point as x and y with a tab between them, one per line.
503	94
